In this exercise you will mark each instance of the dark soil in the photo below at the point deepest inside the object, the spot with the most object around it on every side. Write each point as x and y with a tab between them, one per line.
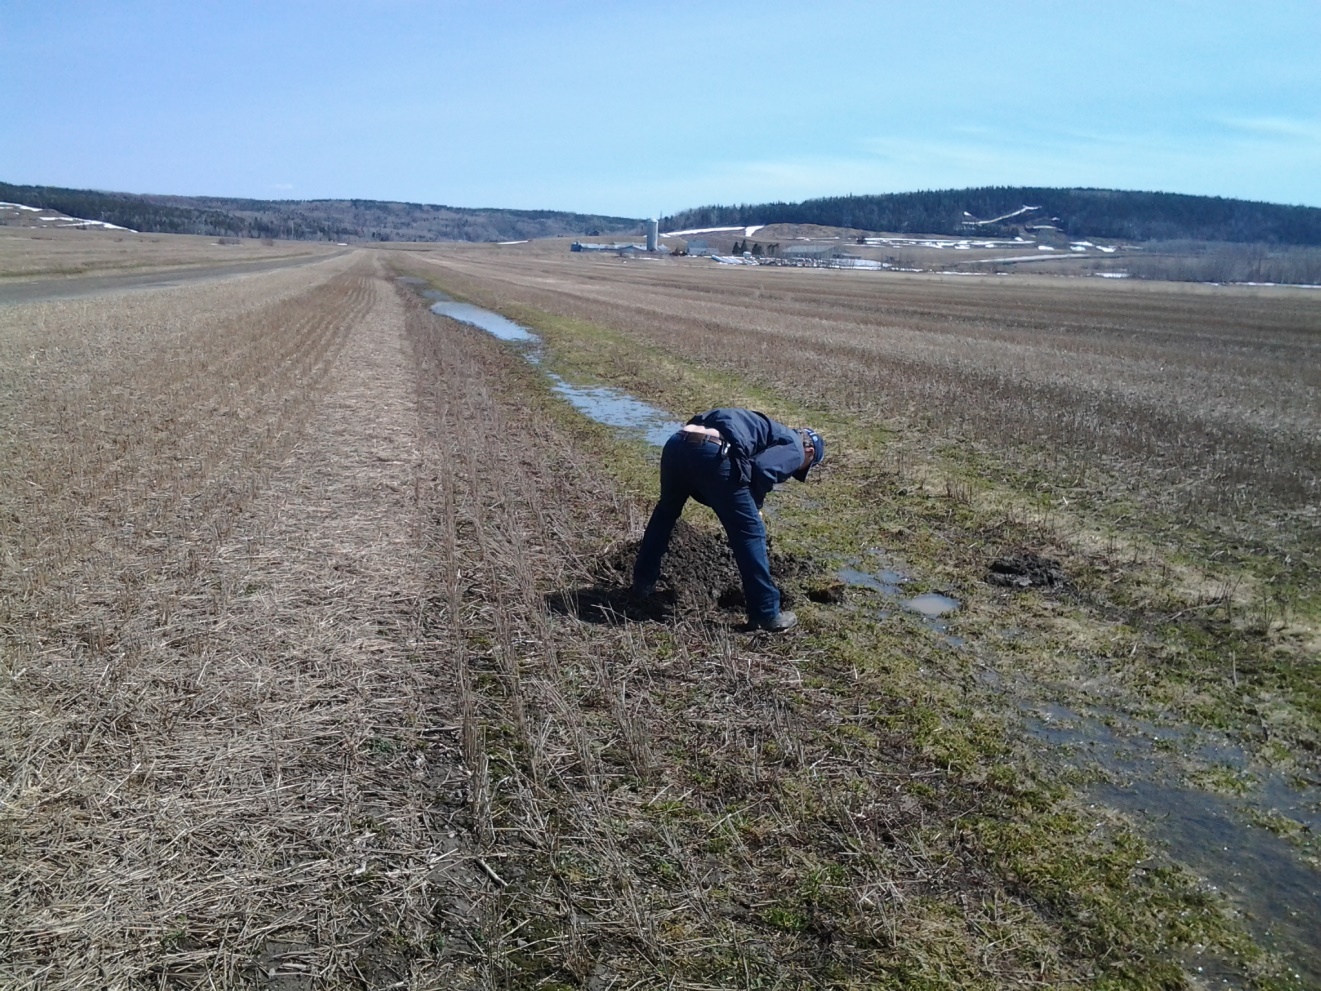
699	579
1027	570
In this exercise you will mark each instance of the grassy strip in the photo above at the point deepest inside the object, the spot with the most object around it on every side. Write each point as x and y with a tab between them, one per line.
1075	888
1215	631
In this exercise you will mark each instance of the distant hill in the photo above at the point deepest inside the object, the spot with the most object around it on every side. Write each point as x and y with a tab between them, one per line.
312	220
1000	210
989	210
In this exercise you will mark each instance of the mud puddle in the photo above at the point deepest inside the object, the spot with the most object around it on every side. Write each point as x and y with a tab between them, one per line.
619	410
888	579
492	323
630	416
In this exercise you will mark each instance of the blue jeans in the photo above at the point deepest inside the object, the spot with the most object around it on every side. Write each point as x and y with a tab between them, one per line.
703	472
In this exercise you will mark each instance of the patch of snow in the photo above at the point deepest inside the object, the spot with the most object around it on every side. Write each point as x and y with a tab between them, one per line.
60	221
700	230
1044	247
931	242
1008	258
1077	247
1287	285
1112	275
996	220
749	231
1109	250
1082	244
524	241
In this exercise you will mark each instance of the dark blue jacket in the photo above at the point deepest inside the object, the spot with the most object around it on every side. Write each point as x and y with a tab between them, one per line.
764	451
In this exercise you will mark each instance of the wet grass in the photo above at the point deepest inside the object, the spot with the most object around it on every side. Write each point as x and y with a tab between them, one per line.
1086	899
1221	624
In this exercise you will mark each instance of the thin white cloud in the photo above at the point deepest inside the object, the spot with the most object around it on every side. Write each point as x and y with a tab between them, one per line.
1276	127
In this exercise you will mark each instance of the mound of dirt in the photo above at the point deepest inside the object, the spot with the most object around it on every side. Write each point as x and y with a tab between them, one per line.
1027	570
698	578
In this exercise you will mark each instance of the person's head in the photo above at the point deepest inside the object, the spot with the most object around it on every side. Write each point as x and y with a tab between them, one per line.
814	449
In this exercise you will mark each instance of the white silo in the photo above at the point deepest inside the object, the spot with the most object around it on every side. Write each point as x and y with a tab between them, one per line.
653	232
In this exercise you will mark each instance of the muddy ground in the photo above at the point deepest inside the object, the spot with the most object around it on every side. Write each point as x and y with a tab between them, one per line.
699	582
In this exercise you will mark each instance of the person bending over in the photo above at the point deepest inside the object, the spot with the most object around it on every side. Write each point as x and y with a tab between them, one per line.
729	459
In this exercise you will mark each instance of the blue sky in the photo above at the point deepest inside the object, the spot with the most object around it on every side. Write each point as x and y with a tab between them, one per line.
645	108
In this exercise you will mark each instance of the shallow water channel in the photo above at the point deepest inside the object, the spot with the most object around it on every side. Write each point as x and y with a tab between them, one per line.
612	407
1219	837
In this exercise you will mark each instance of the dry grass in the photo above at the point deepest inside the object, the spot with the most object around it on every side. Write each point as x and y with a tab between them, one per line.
283	705
665	807
211	671
1190	400
27	253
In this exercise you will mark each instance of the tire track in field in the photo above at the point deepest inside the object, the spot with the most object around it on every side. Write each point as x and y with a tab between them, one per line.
508	498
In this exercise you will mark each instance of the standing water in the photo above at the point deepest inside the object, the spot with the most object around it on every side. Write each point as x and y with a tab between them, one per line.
630	416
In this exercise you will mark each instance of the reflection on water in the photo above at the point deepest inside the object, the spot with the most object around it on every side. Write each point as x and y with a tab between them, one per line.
1213	835
492	323
932	604
612	407
887	580
620	410
1257	869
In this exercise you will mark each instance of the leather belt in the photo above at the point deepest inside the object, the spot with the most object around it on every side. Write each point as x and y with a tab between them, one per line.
697	435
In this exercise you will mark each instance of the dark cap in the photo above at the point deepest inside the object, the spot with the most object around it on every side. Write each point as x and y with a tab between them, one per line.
818	443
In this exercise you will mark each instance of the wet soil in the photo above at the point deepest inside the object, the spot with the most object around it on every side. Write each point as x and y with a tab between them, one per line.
699	581
1027	570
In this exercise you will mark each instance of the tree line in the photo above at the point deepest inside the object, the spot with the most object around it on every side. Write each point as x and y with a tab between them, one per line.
312	220
1102	213
1078	213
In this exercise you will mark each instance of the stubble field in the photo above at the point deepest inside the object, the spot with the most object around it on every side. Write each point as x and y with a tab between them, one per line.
35	253
297	689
